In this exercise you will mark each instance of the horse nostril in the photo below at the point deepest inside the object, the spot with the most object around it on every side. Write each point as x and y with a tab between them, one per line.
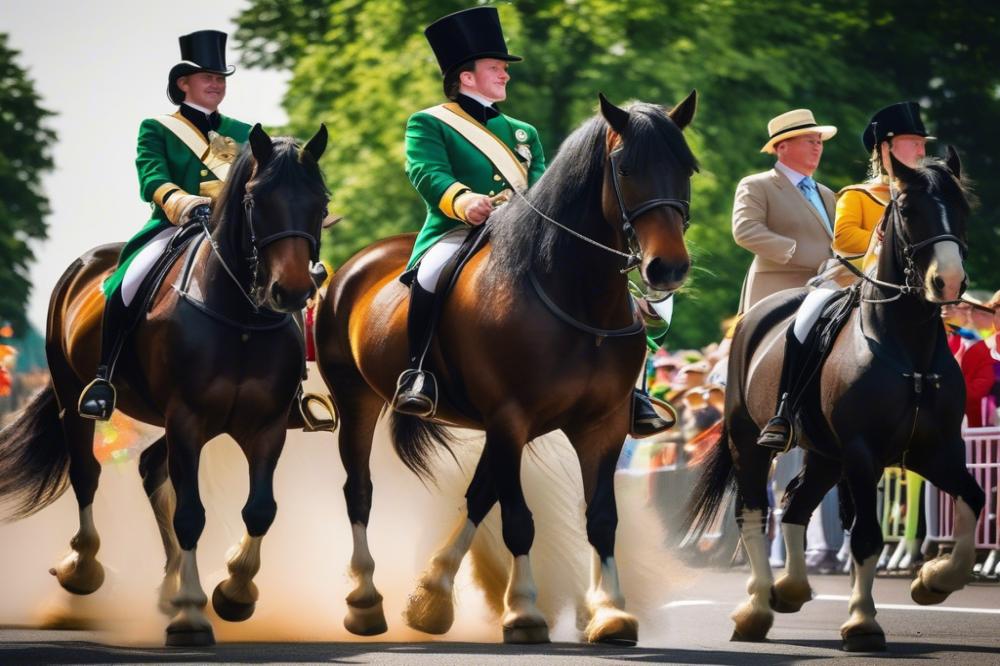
662	273
277	294
938	283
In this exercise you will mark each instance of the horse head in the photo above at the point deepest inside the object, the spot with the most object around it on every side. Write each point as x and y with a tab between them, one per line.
284	207
928	225
647	186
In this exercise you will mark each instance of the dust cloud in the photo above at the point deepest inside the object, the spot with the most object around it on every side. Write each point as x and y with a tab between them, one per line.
303	578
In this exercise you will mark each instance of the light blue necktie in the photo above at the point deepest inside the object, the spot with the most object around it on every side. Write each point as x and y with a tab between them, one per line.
808	188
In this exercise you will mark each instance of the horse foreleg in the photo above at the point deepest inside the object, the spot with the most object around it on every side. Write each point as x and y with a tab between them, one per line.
235	598
605	603
360	408
189	626
861	633
79	571
431	606
159	490
522	621
946	574
803	495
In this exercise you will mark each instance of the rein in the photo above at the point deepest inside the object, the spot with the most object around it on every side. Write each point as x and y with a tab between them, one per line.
637	325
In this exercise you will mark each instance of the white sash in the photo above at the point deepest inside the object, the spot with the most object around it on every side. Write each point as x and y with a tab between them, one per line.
489	144
193	140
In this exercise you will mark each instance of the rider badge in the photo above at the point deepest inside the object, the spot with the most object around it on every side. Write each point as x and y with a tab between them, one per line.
223	148
524	150
520	135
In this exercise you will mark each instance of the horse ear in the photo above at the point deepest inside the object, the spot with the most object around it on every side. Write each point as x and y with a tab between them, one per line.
317	144
904	173
617	118
953	162
683	113
260	144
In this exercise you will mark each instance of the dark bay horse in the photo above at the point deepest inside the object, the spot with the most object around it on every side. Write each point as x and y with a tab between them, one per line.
890	392
509	364
215	353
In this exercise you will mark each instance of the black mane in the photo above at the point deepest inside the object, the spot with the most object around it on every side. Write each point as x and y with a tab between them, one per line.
570	189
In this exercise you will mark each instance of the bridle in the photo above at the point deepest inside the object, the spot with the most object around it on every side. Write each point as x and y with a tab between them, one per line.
256	245
633	257
912	280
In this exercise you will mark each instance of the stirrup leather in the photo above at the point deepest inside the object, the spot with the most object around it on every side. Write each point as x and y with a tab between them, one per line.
417	375
313	423
109	407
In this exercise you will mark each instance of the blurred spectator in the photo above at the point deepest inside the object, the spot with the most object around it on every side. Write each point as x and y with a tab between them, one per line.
974	358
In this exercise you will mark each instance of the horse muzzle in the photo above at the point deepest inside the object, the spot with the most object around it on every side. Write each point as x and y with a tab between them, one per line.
665	276
945	279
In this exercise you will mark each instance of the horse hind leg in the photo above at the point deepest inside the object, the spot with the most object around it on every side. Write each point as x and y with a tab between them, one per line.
359	407
753	618
163	500
803	495
431	606
79	572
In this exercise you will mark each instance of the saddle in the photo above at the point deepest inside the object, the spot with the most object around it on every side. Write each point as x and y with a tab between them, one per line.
451	270
818	343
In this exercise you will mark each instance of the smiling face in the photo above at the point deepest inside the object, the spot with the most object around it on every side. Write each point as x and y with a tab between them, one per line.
204	89
801	153
489	79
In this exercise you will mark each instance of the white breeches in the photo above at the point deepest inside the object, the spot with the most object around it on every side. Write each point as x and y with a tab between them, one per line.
436	257
810	310
144	260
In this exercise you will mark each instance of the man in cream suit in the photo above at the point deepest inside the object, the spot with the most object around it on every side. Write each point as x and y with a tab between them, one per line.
783	216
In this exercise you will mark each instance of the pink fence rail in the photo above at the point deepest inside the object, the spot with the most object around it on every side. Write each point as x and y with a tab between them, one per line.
982	457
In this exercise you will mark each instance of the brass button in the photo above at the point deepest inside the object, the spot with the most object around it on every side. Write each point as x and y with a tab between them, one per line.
204	172
492	192
496	176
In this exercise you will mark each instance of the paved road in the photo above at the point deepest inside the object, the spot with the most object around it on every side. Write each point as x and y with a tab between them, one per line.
693	629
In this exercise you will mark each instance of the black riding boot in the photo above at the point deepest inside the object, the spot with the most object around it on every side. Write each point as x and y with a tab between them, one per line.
779	432
416	389
97	401
645	420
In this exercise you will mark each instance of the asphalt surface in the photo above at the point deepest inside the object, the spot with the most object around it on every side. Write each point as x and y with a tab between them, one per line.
966	629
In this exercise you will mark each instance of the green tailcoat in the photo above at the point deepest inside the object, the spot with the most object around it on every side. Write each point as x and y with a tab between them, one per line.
162	158
441	164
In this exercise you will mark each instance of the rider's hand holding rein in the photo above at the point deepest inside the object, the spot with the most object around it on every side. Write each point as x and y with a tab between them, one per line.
474	208
180	206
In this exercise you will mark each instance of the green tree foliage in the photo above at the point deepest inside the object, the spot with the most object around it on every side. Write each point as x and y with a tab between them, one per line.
364	67
25	155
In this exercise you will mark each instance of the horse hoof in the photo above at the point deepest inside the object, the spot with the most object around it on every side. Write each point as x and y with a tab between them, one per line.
368	621
924	595
230	610
79	578
864	642
789	598
527	635
429	611
613	627
751	625
190	637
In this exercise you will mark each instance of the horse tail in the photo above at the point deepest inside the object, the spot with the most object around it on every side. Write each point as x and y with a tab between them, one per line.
414	439
716	481
34	458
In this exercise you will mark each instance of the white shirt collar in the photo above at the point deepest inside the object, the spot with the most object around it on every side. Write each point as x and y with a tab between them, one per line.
790	173
479	98
199	108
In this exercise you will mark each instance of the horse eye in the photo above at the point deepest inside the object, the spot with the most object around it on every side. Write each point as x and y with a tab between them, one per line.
623	172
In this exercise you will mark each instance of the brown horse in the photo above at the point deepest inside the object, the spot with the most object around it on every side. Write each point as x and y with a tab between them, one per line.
889	392
216	352
538	334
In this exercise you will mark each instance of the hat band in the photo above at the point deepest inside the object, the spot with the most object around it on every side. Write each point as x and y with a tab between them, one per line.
792	129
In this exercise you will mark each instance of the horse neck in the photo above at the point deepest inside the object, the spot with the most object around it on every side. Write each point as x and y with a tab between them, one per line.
907	325
220	290
588	280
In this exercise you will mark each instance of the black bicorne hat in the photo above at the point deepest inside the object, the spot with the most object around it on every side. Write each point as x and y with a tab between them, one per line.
893	120
201	51
468	35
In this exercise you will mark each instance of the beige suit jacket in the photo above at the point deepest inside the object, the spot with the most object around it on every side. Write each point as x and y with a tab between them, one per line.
787	235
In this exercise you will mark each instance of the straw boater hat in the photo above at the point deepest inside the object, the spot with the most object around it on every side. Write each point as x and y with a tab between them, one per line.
794	123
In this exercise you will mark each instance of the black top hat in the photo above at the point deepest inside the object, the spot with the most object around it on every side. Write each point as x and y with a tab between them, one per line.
893	120
201	51
468	35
